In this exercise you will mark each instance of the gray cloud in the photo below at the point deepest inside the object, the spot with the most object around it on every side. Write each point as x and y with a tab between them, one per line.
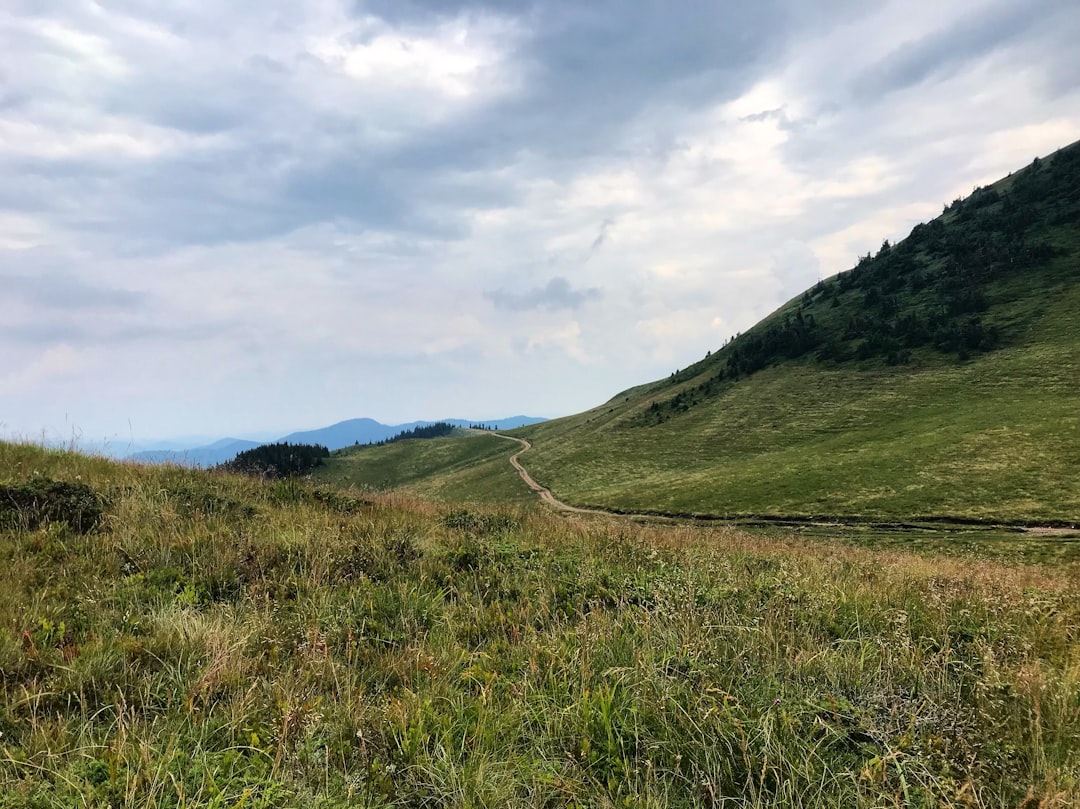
556	294
41	333
282	161
56	291
602	236
100	333
780	117
976	35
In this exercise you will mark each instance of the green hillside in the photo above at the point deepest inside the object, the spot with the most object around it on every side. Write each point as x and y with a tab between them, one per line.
940	377
467	466
937	378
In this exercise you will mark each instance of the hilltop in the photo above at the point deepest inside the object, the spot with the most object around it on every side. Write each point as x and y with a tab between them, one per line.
935	379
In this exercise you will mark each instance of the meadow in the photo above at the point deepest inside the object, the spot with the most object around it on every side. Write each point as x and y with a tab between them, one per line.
468	466
217	641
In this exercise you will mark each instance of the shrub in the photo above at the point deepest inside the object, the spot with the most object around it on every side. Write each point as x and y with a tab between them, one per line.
39	502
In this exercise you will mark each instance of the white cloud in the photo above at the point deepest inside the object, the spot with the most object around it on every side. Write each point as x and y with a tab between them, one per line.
56	363
451	60
19	232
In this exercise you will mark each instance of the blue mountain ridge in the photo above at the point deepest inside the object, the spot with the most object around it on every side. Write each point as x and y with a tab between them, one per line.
343	434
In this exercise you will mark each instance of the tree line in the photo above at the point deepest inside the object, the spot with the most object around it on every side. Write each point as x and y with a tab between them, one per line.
436	430
281	460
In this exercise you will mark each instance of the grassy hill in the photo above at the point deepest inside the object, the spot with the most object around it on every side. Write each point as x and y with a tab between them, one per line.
939	377
181	638
936	379
468	466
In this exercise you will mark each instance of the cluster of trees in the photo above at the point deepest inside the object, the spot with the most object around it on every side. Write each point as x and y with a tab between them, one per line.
790	338
932	291
436	430
278	460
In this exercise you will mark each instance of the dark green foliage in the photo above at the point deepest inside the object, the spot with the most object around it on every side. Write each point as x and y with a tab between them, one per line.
436	430
279	460
935	291
39	502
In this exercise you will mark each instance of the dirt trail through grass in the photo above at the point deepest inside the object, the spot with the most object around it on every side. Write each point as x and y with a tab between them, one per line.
542	491
550	499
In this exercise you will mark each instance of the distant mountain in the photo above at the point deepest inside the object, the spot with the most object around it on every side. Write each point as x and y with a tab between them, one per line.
346	433
336	436
369	431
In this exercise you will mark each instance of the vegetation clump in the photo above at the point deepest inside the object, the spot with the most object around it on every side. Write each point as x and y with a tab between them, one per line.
41	501
463	519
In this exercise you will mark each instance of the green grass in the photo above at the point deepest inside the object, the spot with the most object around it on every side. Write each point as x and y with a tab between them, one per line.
931	540
467	466
223	642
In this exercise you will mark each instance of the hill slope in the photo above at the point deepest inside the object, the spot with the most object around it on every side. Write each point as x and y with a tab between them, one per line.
210	455
466	466
938	378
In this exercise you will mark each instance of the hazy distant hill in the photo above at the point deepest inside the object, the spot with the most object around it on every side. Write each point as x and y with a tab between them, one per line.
210	455
336	436
368	431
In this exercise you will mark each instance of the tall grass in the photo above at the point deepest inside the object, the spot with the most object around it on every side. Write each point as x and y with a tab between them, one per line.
223	642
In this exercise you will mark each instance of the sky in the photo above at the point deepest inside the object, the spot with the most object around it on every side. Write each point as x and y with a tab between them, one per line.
254	217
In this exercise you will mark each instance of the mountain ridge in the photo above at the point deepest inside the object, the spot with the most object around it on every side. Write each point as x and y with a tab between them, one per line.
341	434
937	378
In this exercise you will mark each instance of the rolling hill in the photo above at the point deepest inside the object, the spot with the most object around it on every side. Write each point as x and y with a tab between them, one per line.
209	455
466	466
939	378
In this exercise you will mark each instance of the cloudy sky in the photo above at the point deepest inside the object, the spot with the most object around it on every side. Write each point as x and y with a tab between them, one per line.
252	217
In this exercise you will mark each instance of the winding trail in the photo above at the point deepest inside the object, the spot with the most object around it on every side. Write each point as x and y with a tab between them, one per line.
544	493
550	499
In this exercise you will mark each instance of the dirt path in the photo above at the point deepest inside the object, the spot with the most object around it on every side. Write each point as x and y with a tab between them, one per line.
547	497
545	493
